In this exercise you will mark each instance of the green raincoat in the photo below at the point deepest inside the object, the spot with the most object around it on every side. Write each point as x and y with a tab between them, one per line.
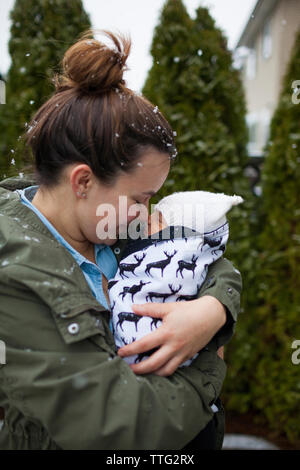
63	386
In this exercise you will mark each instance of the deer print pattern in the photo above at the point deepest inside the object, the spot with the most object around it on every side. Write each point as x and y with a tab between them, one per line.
165	271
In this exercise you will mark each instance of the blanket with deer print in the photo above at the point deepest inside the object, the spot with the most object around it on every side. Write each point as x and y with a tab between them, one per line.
171	268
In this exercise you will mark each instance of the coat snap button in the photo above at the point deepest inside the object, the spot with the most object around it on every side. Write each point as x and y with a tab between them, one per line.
117	250
73	328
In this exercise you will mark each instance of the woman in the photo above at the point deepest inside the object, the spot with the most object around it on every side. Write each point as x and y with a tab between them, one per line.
63	385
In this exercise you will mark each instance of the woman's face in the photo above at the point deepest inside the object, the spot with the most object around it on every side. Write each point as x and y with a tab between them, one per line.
109	210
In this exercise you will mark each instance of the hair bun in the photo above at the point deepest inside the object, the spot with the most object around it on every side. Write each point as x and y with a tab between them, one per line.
91	66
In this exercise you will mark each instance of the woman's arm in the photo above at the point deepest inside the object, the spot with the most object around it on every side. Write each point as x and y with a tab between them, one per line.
51	383
190	326
224	283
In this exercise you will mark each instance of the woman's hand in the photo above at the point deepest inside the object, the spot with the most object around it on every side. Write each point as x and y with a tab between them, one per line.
186	328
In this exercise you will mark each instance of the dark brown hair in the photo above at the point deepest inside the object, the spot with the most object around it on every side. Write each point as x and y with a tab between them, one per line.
93	118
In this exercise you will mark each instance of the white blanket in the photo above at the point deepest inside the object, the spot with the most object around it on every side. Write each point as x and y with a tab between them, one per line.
170	269
163	271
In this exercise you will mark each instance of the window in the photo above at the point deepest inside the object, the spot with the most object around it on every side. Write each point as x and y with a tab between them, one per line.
251	64
267	40
253	128
265	117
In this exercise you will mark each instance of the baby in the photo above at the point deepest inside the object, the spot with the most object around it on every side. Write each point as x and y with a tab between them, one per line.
187	232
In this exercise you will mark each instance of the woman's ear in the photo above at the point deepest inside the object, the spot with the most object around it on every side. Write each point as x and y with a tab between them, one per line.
81	178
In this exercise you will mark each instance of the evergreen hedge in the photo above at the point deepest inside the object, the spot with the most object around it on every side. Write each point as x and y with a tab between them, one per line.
193	82
262	375
40	33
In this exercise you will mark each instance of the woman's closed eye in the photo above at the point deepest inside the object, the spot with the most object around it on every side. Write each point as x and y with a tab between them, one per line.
144	202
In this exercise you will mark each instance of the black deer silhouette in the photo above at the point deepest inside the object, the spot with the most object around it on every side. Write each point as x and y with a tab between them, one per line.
125	342
188	296
132	289
212	242
111	283
154	322
141	356
127	316
221	248
190	266
160	264
130	266
160	295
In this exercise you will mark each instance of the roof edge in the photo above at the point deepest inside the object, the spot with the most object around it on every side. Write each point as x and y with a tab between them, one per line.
260	12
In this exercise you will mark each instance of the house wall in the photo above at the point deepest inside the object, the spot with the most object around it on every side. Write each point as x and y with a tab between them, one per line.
263	90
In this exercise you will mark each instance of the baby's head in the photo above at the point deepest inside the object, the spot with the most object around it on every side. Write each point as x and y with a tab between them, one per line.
202	211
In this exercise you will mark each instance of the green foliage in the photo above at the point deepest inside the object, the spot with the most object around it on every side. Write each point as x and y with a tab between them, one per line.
275	392
195	86
41	31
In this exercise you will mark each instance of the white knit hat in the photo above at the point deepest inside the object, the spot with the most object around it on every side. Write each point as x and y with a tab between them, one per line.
202	211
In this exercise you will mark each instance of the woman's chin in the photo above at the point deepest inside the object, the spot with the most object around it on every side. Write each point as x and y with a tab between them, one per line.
108	241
